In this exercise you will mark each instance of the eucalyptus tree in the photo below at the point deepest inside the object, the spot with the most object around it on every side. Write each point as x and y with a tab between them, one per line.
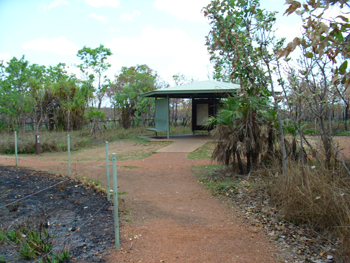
36	84
94	65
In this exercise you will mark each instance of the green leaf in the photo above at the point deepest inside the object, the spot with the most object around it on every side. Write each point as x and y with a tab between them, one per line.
339	36
342	68
309	54
345	19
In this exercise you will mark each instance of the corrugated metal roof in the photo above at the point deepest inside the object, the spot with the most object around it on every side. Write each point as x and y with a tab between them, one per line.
201	87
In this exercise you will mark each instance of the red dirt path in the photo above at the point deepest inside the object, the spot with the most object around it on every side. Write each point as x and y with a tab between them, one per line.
174	219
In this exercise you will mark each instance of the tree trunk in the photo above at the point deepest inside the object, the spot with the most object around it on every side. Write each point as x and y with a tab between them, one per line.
326	143
346	117
284	154
240	163
249	164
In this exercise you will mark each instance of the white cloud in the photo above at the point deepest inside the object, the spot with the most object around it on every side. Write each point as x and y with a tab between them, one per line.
99	3
183	9
129	16
43	7
111	30
58	45
57	3
100	18
178	51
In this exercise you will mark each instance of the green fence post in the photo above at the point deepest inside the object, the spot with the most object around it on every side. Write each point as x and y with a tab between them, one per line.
16	148
107	172
68	145
115	201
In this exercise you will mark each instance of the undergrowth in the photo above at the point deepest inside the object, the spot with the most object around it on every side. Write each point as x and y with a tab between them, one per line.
312	197
316	197
33	242
57	141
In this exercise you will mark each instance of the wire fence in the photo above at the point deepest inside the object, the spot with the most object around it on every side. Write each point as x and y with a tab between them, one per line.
113	207
108	124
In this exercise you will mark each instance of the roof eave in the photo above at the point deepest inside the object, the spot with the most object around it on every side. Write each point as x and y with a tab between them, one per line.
158	93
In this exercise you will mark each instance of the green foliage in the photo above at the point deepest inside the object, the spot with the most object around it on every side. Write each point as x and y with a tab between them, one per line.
239	42
56	257
14	91
45	95
94	65
14	235
233	42
2	236
33	242
245	126
127	89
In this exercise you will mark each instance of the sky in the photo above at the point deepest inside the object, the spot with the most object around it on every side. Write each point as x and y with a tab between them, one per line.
167	35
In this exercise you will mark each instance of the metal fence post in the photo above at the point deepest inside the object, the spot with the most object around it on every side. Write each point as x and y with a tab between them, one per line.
115	200
107	172
68	146
16	148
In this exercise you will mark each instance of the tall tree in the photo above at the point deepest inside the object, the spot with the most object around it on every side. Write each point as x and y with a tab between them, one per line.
36	88
94	65
17	83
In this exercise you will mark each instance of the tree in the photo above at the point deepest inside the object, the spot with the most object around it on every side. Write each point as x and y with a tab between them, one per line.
238	43
36	88
16	89
324	62
94	65
65	100
129	84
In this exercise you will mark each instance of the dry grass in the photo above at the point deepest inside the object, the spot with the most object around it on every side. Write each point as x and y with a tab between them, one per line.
317	198
57	141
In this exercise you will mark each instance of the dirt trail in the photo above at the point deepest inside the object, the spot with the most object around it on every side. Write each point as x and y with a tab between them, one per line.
174	219
168	215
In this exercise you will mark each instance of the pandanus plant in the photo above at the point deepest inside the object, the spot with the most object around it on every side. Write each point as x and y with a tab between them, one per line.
245	128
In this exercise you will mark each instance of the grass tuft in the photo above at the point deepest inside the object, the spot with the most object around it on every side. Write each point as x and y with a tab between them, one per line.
203	152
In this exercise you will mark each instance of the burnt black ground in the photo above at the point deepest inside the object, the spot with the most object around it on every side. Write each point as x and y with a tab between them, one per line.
63	208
